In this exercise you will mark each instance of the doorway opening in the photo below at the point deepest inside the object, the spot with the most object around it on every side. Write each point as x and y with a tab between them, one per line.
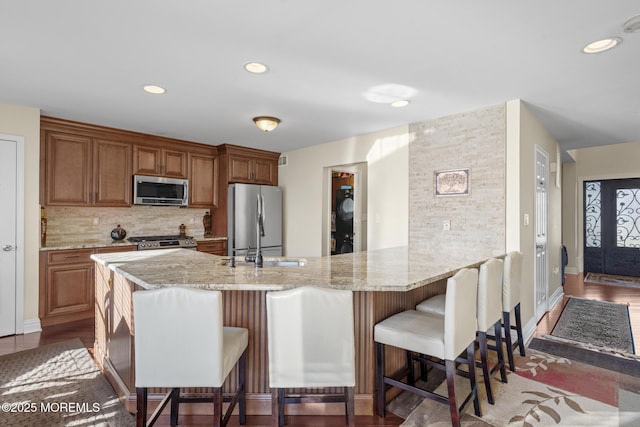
345	207
612	227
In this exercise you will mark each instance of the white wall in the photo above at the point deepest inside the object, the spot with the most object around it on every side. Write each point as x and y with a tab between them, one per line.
527	132
605	162
25	122
302	180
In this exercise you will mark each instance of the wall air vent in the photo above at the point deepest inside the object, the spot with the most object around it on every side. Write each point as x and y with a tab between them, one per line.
282	161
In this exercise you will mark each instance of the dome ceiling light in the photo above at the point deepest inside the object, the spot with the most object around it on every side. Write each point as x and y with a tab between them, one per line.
266	123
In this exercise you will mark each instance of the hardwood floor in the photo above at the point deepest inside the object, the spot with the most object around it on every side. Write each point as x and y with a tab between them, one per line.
574	286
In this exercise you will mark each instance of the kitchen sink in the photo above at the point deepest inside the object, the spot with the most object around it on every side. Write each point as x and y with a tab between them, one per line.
283	263
291	262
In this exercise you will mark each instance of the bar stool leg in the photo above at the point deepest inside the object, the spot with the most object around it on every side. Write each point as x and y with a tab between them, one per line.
141	407
471	354
519	329
217	406
497	330
482	341
506	320
175	403
380	387
450	369
350	406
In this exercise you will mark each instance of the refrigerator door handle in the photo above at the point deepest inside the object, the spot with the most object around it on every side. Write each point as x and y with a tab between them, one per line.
260	214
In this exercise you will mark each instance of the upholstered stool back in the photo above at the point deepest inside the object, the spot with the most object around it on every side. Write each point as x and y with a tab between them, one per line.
180	342
311	338
460	313
511	280
490	293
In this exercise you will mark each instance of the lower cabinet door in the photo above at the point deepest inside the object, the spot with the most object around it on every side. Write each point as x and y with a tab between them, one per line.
70	290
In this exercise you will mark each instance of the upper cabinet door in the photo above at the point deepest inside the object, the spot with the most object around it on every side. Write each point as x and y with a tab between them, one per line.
265	171
174	163
146	160
158	161
67	170
112	173
203	181
240	169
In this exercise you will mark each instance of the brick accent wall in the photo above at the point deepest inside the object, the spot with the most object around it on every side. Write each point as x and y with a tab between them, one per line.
473	140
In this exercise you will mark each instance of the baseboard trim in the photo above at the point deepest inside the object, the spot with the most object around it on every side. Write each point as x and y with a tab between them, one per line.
31	325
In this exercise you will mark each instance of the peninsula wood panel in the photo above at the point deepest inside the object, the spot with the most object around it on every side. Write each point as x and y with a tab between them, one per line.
247	309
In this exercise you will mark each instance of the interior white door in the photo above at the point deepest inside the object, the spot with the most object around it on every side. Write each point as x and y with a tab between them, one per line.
8	235
541	226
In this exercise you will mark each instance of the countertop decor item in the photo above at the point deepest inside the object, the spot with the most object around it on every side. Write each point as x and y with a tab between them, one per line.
183	230
118	233
206	221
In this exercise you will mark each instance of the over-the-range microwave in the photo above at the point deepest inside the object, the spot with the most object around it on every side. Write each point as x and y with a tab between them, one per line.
160	191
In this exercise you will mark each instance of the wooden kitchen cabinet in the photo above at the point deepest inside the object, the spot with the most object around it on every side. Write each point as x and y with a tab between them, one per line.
67	169
241	165
214	247
111	173
159	161
203	180
80	170
250	166
66	286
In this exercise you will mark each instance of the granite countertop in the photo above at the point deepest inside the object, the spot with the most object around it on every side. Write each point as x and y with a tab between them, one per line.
394	269
106	243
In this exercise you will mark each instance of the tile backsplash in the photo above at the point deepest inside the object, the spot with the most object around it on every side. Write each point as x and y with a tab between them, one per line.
94	225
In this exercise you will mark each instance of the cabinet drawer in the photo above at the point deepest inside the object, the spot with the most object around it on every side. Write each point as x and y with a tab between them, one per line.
215	247
72	256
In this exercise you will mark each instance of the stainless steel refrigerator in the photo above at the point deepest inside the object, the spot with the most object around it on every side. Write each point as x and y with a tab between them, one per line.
242	219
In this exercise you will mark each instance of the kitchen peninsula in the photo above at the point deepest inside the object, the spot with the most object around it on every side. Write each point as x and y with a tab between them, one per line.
384	282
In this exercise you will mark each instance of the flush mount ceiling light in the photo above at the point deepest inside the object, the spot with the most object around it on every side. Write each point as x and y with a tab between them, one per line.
632	25
255	67
266	123
156	90
602	45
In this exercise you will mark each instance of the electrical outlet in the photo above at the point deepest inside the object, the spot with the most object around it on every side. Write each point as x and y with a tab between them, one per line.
446	225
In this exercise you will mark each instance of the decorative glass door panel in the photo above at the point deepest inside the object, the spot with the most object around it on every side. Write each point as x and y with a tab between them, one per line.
612	227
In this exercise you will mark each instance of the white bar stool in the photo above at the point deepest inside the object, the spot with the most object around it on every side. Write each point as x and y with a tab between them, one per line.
180	342
490	316
425	336
311	345
511	302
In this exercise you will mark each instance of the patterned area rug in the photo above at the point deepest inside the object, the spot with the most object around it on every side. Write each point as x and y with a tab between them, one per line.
545	390
596	323
610	279
57	385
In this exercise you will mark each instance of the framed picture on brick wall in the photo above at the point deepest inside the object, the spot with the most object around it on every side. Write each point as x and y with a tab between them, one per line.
454	182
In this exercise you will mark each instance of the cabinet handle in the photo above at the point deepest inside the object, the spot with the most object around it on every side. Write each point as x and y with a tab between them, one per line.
71	256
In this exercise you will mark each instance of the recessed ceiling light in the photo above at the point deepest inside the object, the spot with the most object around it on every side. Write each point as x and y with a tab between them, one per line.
156	90
255	67
401	103
602	45
632	25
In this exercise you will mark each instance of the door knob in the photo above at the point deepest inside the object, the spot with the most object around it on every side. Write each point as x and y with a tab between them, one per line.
7	248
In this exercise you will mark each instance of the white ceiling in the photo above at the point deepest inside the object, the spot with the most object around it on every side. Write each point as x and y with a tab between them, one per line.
88	60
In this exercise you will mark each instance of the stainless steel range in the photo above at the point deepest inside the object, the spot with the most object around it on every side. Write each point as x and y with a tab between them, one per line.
164	242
